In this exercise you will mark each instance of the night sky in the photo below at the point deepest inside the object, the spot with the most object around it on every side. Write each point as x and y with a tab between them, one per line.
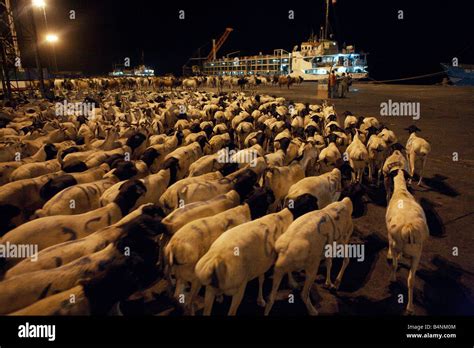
106	31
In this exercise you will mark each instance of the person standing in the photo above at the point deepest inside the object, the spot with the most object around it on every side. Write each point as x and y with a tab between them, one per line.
349	82
329	85
344	85
332	84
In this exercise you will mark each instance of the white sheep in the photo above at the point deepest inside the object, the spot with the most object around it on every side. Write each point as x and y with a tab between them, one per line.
280	179
417	150
388	136
358	157
189	212
193	240
169	199
377	149
407	231
330	155
325	188
62	253
393	163
241	254
302	246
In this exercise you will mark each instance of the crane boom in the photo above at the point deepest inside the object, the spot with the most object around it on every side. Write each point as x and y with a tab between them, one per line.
219	44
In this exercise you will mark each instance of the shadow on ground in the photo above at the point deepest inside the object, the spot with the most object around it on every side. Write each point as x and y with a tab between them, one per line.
438	184
443	291
435	223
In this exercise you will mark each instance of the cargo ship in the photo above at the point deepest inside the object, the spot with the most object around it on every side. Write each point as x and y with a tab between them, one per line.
313	60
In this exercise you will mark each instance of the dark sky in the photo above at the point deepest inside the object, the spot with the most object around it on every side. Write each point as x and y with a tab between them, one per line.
106	31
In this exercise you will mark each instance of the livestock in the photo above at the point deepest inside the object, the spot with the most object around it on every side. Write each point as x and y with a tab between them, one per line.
196	173
377	149
193	240
189	212
301	247
51	230
358	157
221	271
14	295
80	198
19	200
324	189
147	215
203	191
418	149
169	199
407	231
285	80
391	165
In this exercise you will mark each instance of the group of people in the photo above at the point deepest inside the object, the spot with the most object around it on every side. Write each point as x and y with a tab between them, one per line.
338	87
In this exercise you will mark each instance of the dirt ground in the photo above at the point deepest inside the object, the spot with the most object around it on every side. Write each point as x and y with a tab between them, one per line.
444	282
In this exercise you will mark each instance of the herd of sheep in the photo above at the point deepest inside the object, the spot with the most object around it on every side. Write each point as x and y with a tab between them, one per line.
162	83
131	184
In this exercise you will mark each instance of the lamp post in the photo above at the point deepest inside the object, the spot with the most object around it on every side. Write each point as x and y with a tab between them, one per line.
37	3
52	39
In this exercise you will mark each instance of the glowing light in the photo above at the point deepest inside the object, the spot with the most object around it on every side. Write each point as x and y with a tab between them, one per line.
38	3
52	38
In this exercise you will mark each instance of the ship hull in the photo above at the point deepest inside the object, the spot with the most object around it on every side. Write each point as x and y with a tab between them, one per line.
460	75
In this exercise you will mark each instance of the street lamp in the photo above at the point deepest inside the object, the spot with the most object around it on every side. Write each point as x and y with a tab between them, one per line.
52	38
38	3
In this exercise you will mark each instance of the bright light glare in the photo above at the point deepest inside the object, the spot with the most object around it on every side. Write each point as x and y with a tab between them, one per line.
38	3
52	38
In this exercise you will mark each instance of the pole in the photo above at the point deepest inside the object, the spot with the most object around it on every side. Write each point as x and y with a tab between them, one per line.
4	75
55	62
214	49
36	52
52	62
327	20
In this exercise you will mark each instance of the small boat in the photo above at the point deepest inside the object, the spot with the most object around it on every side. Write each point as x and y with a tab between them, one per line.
461	75
142	70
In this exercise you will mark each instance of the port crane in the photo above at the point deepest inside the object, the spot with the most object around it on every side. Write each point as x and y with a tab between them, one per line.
218	45
212	54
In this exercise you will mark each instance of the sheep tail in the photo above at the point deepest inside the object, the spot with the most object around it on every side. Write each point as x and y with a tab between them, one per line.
218	273
212	273
409	234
